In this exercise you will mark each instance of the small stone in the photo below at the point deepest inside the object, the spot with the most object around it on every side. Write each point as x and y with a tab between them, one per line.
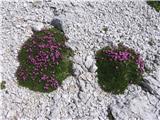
11	114
57	24
93	68
77	69
78	59
38	27
89	62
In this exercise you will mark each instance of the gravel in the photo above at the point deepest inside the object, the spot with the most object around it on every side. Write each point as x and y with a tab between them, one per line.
135	24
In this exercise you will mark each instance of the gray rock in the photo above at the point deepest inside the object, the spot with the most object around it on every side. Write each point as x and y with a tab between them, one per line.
77	69
133	23
93	68
57	23
89	62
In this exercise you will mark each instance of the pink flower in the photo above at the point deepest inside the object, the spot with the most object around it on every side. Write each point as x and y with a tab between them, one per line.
118	55
53	59
44	77
140	63
57	54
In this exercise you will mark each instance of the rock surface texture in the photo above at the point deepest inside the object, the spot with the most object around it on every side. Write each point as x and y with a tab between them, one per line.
135	24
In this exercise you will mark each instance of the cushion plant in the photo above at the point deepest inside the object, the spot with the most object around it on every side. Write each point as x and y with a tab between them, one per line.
44	61
154	4
118	67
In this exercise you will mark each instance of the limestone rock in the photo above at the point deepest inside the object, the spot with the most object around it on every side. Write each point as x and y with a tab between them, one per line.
38	26
89	62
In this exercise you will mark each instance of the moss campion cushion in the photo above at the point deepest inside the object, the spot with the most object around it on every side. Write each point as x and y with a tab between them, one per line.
118	67
44	61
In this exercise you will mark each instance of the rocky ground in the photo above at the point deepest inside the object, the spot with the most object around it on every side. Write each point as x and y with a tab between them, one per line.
89	27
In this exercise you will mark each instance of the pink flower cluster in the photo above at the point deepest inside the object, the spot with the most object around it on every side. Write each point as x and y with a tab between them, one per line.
124	56
140	63
118	55
50	81
43	53
22	73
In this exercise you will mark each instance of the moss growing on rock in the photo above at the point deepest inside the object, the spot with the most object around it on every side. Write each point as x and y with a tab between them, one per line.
44	61
3	84
154	4
117	68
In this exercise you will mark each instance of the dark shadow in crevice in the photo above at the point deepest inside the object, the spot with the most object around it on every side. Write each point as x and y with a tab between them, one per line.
110	115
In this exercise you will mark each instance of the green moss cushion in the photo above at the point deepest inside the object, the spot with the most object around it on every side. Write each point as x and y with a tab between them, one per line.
154	4
44	61
117	68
